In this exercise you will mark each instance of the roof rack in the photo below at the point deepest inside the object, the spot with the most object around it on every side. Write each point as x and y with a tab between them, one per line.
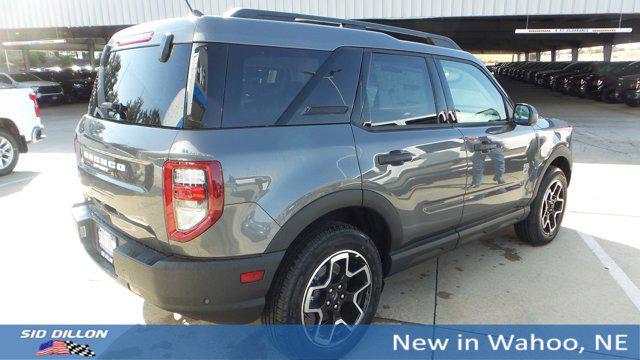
396	32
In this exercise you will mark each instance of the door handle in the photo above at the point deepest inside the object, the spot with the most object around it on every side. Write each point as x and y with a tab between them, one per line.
485	146
395	158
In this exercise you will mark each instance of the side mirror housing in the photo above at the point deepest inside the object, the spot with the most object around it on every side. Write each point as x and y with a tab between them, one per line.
525	114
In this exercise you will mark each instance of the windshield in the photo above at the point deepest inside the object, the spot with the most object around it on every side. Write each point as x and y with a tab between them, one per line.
25	77
135	87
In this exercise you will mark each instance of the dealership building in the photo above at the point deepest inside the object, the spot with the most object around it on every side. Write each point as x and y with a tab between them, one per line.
521	29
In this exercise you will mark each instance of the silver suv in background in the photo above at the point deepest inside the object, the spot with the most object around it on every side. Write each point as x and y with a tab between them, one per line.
280	166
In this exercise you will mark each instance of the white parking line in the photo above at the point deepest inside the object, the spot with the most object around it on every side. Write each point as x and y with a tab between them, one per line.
16	181
616	272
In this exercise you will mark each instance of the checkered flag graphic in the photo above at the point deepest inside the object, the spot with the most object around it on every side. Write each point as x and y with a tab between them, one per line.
79	349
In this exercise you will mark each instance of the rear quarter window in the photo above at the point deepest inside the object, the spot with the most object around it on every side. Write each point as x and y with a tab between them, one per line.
262	82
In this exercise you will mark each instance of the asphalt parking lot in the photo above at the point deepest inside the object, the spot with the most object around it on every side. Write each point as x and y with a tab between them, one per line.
589	274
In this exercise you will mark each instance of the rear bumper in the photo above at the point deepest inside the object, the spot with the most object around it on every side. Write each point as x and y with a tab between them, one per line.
50	98
203	289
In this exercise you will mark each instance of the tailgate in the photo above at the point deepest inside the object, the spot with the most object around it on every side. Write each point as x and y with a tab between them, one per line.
120	168
135	112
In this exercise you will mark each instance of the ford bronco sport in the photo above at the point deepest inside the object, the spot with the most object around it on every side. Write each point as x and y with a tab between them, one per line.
281	165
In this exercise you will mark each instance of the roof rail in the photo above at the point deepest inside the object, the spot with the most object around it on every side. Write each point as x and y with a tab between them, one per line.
396	32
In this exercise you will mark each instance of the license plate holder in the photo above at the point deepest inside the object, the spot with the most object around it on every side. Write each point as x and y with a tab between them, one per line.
107	244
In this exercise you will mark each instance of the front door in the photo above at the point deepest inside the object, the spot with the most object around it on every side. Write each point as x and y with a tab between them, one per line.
500	153
405	151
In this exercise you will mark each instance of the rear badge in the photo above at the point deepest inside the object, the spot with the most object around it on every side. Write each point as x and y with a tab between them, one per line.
101	163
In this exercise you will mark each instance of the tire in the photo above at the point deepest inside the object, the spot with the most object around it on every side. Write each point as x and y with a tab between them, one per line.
607	96
538	229
304	268
9	153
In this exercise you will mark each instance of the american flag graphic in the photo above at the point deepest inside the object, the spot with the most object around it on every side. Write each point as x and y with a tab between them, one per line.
60	347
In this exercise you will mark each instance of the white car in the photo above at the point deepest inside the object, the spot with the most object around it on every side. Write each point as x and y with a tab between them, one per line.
19	124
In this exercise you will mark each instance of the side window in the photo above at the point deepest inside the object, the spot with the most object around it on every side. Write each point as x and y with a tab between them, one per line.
4	79
398	91
328	98
262	82
475	97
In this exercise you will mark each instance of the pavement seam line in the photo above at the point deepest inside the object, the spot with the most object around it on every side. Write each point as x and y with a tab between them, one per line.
16	181
629	288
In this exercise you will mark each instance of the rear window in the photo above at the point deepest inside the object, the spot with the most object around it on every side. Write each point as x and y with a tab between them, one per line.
135	87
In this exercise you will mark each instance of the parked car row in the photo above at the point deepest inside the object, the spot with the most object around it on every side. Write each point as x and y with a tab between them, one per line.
605	81
53	86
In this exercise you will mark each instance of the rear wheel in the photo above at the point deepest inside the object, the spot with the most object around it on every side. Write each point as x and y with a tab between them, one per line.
542	224
8	152
330	284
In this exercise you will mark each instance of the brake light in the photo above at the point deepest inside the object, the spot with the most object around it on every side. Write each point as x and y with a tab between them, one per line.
36	107
135	39
194	197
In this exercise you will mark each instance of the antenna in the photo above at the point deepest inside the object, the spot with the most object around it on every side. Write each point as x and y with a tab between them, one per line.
192	10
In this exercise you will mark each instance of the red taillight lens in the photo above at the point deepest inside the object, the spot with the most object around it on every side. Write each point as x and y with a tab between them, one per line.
189	193
250	277
36	107
135	39
194	197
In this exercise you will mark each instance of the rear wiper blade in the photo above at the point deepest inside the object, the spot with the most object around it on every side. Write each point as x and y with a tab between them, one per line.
114	107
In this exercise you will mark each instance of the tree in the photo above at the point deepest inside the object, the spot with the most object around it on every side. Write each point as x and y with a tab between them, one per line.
36	58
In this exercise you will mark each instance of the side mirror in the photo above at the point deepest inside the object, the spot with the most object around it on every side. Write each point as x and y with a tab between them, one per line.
525	114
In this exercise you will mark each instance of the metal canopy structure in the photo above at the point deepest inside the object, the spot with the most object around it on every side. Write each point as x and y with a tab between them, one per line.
85	24
28	14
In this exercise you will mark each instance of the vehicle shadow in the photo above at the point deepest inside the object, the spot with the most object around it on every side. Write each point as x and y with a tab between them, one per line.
15	182
153	315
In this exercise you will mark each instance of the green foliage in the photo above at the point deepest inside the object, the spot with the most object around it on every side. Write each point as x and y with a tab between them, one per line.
37	58
66	60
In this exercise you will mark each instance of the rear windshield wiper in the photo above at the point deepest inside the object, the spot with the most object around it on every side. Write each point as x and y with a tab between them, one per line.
114	108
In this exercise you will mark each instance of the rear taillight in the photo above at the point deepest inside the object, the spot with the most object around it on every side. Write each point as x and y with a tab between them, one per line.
194	197
36	107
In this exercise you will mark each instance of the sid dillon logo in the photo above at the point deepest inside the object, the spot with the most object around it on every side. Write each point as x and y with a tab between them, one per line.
61	347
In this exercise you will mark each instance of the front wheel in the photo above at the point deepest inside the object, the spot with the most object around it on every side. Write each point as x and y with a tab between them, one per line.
8	152
328	285
542	224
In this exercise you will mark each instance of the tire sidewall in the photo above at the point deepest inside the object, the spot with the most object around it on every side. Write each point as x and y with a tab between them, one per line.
16	152
549	178
347	239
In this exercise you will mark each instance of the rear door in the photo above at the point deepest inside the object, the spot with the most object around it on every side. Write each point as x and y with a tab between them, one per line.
134	113
406	151
500	153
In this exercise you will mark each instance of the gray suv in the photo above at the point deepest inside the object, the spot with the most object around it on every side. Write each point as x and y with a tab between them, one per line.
282	165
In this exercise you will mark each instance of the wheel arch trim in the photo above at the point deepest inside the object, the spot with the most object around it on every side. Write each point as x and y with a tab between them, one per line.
326	204
13	129
561	151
